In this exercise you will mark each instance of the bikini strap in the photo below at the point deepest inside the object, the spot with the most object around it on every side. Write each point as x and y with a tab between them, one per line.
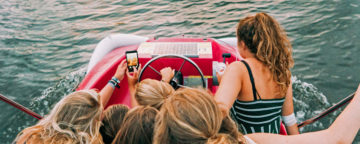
255	93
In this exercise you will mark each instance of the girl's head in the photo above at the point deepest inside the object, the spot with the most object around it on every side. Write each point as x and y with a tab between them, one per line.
267	41
192	116
113	119
138	126
75	119
152	92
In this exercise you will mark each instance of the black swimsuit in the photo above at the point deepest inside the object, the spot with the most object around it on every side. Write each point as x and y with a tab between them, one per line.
260	115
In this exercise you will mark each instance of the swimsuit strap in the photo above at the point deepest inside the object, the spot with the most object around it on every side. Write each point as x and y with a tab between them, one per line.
255	93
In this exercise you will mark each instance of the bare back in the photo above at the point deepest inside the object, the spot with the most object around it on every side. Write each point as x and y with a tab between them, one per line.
265	85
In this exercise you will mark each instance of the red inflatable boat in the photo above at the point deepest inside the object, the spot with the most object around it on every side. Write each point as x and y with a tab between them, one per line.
195	58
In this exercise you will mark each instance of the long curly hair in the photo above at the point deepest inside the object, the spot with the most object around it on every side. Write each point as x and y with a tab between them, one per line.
265	38
75	119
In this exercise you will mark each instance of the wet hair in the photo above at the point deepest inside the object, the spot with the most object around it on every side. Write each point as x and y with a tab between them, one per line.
192	116
113	119
152	92
138	126
75	119
265	38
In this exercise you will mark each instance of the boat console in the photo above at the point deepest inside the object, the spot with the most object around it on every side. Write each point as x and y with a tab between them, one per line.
188	49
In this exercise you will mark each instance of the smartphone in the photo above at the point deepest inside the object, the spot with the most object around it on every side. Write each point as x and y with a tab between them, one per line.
132	60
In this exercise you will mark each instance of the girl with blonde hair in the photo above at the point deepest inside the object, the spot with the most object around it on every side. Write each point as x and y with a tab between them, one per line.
257	90
150	92
76	118
192	116
112	122
138	126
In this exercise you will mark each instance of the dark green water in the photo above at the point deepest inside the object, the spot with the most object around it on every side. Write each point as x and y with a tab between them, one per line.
45	45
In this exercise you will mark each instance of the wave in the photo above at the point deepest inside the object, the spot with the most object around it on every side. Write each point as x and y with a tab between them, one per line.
42	104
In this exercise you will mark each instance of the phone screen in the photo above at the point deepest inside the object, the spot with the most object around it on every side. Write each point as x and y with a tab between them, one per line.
132	60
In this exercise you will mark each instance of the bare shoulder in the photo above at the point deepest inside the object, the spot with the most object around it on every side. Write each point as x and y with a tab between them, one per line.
236	67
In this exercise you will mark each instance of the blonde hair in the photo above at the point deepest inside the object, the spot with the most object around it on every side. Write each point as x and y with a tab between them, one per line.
74	119
192	116
152	92
112	121
265	38
138	126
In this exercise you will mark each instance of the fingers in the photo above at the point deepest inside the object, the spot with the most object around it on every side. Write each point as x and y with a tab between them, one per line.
166	69
139	69
135	70
122	62
128	73
136	74
121	67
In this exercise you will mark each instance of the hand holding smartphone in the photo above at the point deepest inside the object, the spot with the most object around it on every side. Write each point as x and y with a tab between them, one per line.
132	60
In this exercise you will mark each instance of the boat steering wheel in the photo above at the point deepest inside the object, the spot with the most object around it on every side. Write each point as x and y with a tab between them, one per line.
173	82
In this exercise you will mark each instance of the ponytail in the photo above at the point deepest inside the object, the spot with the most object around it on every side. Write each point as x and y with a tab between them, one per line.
152	93
265	38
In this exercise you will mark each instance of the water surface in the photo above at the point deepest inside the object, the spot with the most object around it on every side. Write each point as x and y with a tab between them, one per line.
45	46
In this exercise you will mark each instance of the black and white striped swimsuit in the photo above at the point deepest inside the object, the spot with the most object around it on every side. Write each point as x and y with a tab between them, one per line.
260	115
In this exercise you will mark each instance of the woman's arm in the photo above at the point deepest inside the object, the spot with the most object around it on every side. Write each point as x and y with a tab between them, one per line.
288	109
107	91
229	87
132	81
343	130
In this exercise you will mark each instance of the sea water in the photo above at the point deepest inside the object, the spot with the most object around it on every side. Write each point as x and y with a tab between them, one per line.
45	46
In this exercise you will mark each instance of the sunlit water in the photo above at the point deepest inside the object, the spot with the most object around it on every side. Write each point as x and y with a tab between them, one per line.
45	45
